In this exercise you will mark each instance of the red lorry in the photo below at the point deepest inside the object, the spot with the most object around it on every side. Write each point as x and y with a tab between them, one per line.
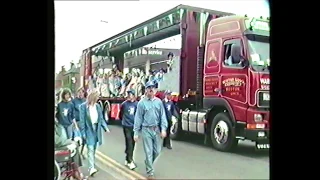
223	78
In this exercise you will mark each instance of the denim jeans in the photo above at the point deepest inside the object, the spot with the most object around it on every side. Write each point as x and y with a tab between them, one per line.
92	151
152	144
69	130
91	155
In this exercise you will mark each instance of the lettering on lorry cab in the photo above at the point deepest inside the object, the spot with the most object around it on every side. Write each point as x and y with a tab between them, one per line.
233	82
265	83
233	86
210	84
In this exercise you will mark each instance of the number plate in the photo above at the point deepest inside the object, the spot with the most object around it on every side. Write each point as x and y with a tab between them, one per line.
266	96
262	146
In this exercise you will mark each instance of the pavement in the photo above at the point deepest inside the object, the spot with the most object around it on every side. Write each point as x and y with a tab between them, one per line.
191	159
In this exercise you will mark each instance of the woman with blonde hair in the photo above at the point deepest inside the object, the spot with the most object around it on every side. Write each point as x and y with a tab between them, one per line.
65	112
91	125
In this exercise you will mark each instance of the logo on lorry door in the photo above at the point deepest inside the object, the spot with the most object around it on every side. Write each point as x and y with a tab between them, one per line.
213	56
233	82
233	86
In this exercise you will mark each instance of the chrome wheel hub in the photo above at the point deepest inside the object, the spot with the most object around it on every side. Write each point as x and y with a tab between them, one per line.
221	132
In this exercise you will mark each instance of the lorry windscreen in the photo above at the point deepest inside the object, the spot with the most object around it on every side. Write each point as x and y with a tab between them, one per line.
259	54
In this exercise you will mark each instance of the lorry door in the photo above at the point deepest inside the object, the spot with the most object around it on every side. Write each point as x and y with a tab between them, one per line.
234	79
212	68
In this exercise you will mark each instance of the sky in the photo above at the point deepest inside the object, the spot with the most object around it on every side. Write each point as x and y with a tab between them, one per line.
78	23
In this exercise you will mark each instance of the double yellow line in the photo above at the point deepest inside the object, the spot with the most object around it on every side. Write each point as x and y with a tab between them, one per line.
121	169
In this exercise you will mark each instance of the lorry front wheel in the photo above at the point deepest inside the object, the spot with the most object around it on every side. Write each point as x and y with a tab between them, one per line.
175	131
222	133
106	111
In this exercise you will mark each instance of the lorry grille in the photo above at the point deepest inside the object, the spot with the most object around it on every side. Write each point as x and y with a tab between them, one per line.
263	99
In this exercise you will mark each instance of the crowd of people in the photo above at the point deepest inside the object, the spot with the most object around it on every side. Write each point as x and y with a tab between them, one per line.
115	84
82	121
79	121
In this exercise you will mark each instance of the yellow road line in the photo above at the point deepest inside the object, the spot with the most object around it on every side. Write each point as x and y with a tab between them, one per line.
118	170
105	160
118	167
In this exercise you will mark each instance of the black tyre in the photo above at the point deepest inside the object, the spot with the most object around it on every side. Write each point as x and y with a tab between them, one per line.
106	111
222	133
101	104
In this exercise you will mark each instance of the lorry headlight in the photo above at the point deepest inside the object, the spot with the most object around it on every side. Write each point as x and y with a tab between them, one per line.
257	117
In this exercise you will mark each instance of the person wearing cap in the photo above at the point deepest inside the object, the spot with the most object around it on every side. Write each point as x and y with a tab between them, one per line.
127	111
171	113
151	124
170	61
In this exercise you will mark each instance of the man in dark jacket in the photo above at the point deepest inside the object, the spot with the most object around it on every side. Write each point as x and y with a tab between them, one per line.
127	113
171	112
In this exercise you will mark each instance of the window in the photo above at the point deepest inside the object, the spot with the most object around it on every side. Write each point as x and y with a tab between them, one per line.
259	50
213	50
233	45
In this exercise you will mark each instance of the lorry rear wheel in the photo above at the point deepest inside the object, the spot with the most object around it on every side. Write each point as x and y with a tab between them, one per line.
222	133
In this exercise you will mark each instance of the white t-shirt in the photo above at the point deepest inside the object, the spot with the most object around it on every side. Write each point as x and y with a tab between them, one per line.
93	114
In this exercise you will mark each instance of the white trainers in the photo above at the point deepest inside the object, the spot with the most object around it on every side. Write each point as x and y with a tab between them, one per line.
132	165
125	162
92	171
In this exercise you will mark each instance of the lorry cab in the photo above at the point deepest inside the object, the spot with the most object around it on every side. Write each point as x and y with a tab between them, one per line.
236	76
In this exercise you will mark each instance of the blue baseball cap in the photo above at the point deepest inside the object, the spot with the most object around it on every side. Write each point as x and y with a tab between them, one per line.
131	91
150	84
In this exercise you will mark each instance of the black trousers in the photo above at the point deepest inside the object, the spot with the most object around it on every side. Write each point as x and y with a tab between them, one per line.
130	143
166	140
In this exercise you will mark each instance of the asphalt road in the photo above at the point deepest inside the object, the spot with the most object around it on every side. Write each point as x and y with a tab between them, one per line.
104	172
190	159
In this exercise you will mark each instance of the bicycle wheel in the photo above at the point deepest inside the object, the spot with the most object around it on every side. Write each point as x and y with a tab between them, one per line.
57	171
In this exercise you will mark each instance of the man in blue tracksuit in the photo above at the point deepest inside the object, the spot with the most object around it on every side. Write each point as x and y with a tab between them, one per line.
171	110
127	112
151	124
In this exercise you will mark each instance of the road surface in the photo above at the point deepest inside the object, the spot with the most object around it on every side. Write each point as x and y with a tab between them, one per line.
104	172
190	159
